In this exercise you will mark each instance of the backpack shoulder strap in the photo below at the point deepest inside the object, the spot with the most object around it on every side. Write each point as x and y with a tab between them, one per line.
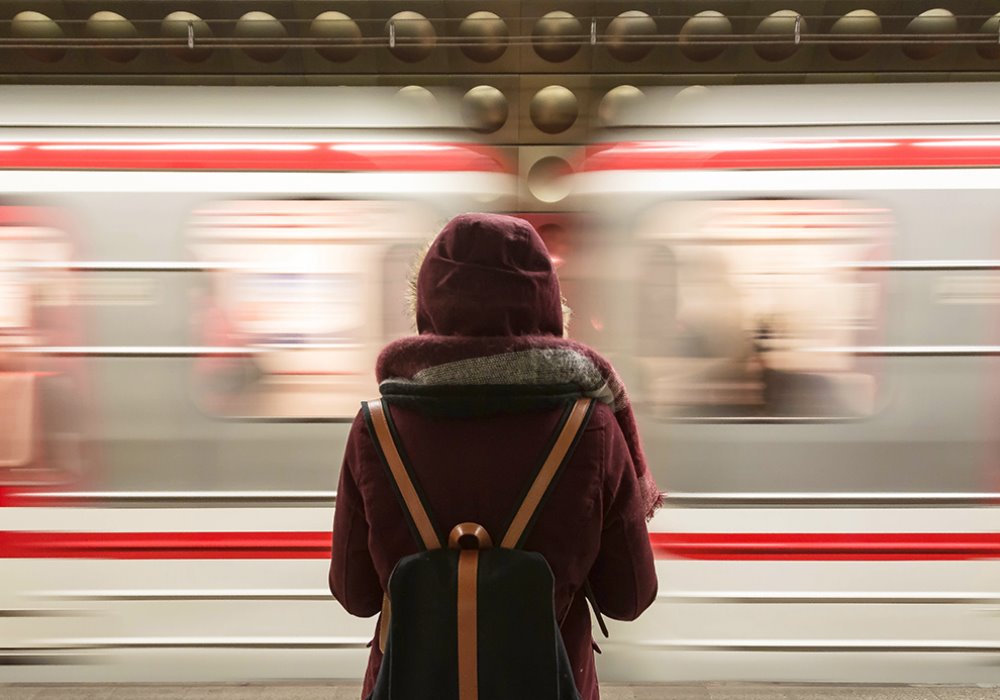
400	474
567	436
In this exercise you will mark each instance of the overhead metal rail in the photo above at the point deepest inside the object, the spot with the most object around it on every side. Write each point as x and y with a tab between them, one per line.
724	40
384	34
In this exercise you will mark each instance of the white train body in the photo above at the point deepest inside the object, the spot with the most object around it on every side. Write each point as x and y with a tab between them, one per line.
822	412
813	276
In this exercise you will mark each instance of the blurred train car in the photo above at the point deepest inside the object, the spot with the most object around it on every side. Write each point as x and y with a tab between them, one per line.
799	284
194	285
802	284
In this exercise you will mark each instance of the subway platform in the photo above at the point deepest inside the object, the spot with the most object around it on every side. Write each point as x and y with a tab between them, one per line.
613	691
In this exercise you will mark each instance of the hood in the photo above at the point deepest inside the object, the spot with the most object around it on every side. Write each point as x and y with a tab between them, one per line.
488	275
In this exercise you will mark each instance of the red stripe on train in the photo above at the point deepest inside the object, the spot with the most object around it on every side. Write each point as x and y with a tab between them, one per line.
316	545
164	545
826	546
249	156
782	154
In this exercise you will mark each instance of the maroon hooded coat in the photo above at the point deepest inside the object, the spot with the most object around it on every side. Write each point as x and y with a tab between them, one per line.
489	278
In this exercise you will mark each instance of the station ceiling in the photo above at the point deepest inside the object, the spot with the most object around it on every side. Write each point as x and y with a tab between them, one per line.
528	74
368	40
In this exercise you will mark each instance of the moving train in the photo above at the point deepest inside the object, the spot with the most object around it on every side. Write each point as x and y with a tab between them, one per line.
799	284
812	273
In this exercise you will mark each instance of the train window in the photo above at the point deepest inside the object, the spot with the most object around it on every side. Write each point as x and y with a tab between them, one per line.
39	423
751	307
17	388
289	310
14	301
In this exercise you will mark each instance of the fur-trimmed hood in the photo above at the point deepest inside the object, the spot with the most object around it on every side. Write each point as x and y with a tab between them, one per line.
488	275
490	319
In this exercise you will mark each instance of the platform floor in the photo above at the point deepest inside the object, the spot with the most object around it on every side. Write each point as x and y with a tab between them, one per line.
351	691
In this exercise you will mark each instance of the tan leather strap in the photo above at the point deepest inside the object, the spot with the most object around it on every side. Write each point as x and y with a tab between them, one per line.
464	532
460	531
545	475
469	558
403	482
409	493
470	538
383	623
468	640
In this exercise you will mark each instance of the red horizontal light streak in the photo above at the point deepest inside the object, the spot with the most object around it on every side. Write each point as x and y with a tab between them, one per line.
781	154
906	546
17	216
249	156
164	545
824	546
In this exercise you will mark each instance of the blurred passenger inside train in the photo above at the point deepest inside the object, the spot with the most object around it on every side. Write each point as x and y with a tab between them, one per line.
222	378
476	397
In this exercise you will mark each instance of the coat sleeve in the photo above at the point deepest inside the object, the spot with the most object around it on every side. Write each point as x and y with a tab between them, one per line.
354	581
623	576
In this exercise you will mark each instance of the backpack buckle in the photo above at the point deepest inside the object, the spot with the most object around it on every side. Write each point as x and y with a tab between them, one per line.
469	536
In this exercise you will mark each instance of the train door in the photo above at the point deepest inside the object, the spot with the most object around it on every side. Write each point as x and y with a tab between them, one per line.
753	306
40	398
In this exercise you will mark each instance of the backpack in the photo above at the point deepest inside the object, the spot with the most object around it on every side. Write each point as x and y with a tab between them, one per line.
470	621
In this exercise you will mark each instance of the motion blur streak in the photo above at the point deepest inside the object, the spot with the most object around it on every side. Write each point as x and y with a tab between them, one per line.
248	155
770	153
799	285
813	546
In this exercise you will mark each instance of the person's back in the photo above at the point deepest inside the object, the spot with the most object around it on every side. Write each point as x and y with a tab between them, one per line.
475	404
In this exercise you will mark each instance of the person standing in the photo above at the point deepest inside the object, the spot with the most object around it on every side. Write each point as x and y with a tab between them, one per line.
475	397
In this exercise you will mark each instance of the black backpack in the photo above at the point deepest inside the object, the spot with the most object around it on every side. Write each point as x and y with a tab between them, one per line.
469	621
